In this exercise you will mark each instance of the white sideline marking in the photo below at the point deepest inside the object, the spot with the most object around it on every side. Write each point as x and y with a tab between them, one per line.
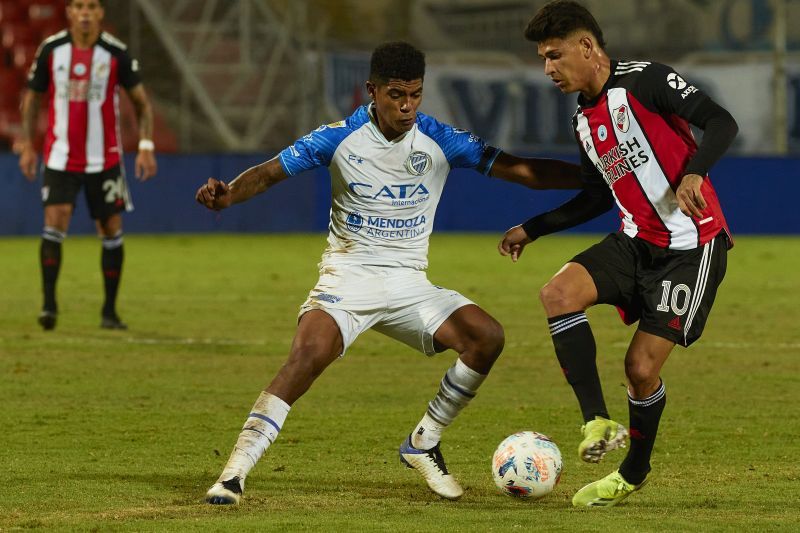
189	341
736	345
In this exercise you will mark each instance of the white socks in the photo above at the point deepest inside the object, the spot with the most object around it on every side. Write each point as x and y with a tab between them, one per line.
458	387
260	430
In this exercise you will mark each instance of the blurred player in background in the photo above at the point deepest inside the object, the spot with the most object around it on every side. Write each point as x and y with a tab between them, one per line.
664	266
388	166
79	72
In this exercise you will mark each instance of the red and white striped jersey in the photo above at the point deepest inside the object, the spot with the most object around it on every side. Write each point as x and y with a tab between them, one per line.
635	137
82	86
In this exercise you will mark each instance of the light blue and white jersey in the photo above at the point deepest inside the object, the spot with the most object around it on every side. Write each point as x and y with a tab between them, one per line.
385	193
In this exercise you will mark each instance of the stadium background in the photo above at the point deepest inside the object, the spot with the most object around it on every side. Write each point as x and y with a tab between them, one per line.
233	82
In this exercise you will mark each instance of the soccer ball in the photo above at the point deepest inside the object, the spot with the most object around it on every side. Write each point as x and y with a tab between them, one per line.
526	465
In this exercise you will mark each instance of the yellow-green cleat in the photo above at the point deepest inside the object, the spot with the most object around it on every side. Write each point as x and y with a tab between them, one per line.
600	436
607	492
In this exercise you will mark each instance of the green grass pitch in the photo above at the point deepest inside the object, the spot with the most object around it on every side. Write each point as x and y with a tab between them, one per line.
125	431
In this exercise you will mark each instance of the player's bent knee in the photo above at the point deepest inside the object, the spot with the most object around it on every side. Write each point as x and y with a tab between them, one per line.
554	295
490	342
641	375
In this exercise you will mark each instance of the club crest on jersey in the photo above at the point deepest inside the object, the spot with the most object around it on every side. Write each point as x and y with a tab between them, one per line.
418	163
602	132
621	119
101	71
355	222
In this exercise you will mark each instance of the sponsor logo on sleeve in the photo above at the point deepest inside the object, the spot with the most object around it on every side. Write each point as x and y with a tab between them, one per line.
679	84
675	81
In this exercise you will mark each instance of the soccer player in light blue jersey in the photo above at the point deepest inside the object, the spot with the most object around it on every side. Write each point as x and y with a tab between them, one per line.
388	165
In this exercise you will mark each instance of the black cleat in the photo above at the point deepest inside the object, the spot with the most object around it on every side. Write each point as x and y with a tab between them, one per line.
227	492
47	319
112	322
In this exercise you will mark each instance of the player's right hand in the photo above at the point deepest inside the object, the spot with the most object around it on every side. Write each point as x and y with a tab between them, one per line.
214	195
513	243
27	161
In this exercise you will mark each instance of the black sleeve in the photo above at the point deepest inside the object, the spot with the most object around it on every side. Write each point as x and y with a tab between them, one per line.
719	131
39	73
594	200
667	92
128	70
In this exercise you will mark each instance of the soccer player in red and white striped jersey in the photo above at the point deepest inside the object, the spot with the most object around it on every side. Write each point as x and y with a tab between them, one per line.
79	71
663	267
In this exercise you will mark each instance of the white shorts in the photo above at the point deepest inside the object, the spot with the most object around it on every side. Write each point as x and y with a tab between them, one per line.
398	302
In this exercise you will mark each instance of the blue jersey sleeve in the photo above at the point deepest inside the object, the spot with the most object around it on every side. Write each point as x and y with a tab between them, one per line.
317	148
461	148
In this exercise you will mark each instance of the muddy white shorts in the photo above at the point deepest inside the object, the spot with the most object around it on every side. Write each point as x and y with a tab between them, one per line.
398	302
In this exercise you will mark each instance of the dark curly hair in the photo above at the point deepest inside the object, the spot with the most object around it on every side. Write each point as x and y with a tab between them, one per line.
560	18
398	60
101	2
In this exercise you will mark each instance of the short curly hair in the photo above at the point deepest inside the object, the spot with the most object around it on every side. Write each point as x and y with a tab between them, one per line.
396	60
558	19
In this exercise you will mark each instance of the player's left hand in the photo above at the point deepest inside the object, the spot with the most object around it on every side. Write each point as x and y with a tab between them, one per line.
513	243
146	166
690	199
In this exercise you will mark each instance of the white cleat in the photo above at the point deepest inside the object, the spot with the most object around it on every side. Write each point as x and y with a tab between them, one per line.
227	492
430	464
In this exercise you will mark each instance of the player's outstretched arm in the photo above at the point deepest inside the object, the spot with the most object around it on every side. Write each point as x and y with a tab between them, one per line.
537	173
27	152
218	195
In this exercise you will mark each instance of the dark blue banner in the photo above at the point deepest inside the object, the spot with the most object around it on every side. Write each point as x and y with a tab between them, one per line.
757	195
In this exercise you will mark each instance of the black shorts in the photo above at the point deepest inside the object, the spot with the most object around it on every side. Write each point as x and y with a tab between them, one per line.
670	292
106	192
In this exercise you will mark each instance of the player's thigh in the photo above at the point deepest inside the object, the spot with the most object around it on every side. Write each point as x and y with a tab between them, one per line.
59	192
677	297
417	309
106	193
317	337
612	265
352	297
470	329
